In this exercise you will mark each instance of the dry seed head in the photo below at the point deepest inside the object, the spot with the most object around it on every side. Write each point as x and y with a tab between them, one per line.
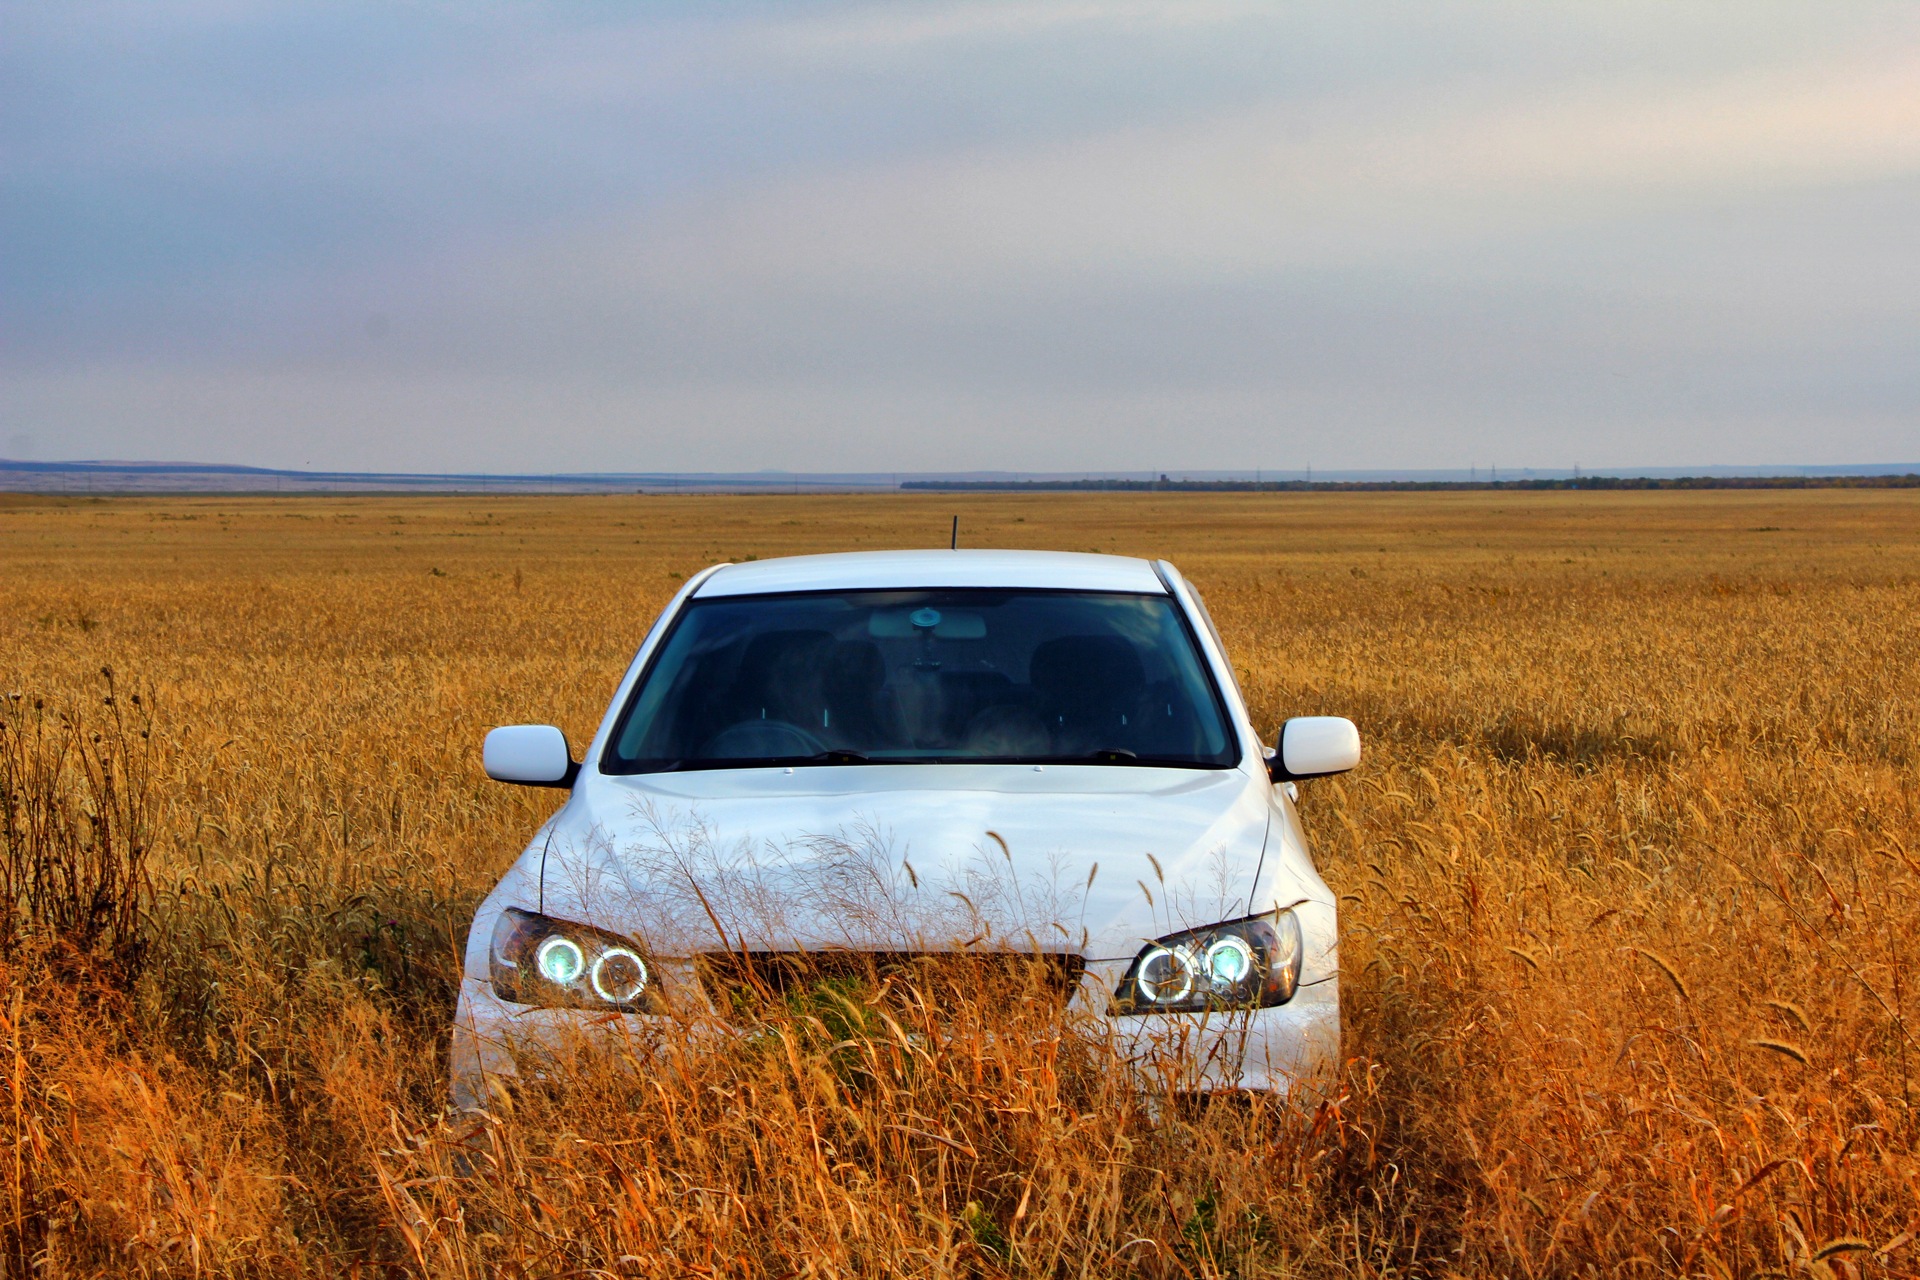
1666	966
1793	1011
1526	956
1782	1047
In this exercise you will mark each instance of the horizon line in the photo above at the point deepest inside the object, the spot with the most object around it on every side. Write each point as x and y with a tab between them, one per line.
122	476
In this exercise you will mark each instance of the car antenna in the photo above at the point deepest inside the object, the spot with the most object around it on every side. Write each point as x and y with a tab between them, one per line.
955	544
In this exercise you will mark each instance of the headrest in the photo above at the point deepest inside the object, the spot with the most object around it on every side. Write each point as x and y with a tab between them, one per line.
771	650
1081	667
855	666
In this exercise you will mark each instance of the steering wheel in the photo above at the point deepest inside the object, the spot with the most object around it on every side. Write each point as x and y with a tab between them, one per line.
761	739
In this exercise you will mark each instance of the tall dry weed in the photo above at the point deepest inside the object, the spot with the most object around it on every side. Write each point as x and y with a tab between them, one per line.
74	829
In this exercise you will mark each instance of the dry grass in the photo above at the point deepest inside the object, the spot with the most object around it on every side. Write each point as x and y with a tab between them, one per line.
1630	877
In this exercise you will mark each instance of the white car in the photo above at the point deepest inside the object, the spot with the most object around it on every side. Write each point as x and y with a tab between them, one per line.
930	757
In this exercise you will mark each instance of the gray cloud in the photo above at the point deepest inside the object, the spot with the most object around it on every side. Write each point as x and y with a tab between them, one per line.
1018	235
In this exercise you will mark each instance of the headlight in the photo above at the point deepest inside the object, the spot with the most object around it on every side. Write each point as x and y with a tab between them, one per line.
1242	964
542	961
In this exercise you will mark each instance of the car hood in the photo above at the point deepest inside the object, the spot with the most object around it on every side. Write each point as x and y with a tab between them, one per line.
1085	859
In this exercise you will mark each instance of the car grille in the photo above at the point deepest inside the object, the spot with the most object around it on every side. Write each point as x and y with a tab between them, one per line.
741	983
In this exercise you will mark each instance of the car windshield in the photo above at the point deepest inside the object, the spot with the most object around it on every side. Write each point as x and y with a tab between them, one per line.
871	677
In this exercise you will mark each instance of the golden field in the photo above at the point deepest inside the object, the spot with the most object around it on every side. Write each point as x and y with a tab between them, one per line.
1631	881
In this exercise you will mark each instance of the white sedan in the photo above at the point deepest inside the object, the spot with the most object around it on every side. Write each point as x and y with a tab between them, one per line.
849	763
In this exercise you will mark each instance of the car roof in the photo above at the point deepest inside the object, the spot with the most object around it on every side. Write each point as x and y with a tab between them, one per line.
905	570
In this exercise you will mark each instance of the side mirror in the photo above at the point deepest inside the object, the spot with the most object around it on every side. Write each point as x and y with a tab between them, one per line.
1313	747
533	755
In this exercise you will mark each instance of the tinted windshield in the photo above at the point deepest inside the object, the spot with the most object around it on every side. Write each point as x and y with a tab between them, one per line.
919	676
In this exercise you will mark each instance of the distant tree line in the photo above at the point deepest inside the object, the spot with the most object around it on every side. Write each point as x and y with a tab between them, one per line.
1907	481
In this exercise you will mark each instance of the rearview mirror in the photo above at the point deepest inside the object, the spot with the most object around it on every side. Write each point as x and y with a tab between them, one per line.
1313	747
533	755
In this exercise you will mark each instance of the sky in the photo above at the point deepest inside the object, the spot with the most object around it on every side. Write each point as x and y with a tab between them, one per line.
954	236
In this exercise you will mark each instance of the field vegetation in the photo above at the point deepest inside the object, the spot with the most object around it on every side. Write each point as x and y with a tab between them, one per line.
1630	880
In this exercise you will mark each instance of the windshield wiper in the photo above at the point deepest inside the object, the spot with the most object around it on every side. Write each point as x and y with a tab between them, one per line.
837	755
1120	755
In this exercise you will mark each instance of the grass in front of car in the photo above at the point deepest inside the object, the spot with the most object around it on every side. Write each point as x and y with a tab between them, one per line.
1629	878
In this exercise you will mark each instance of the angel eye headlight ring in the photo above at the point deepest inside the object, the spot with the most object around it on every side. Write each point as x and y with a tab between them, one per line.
619	975
1165	975
559	960
1230	961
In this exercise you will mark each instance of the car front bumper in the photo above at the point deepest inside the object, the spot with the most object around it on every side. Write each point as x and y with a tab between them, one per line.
1290	1050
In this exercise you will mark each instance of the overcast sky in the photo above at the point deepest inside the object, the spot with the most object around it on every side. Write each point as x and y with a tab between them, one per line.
936	236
